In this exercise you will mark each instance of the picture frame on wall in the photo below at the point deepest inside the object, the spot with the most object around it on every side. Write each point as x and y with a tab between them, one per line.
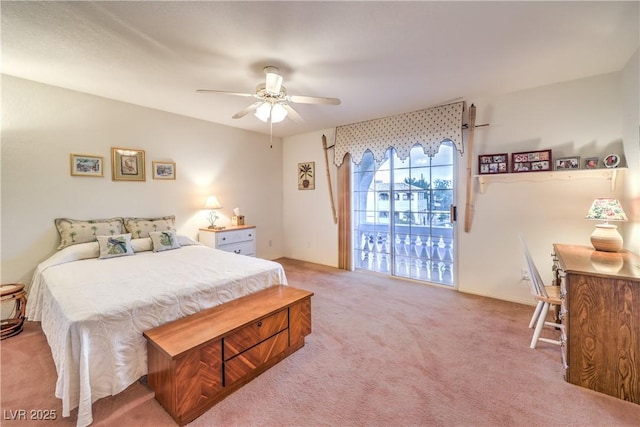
164	170
87	165
531	161
567	163
306	176
493	163
591	162
127	164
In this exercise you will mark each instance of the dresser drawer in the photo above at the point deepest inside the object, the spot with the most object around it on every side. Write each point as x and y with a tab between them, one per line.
245	363
243	248
236	236
255	333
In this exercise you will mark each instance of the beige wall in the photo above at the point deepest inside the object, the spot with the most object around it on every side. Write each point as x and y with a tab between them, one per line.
42	125
309	231
582	117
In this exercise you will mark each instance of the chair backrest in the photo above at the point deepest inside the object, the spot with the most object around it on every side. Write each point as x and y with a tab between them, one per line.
535	280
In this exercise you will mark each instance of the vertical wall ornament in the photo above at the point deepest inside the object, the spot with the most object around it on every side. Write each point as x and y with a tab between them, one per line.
306	176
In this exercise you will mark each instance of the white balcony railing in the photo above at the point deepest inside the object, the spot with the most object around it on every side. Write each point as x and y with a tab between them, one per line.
424	257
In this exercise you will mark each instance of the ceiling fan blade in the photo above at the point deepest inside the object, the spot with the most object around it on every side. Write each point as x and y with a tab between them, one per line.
293	114
313	100
247	110
224	92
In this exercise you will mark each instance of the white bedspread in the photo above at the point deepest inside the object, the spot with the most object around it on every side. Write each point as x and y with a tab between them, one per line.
93	311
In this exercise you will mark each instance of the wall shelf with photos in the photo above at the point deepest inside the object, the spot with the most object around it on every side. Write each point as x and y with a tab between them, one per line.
601	173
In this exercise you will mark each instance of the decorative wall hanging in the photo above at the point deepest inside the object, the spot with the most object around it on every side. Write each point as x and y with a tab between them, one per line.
531	161
429	128
127	164
306	176
87	165
493	163
164	170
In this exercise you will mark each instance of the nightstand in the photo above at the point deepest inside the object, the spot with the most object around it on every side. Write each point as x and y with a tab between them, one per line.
239	239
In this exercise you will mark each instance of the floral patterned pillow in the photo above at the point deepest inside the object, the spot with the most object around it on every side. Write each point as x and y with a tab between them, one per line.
164	240
141	227
115	246
75	231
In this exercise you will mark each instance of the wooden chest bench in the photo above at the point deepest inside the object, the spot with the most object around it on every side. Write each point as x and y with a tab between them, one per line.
197	361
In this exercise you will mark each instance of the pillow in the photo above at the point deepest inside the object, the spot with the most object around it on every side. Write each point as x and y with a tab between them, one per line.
142	245
187	241
115	246
141	227
72	253
75	231
164	240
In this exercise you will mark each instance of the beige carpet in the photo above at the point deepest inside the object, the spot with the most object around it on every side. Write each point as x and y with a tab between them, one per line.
383	352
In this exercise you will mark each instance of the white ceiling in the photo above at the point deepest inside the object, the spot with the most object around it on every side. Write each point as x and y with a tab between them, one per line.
379	58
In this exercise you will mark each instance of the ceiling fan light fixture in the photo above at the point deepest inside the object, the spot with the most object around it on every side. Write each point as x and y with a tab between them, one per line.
278	113
263	112
273	83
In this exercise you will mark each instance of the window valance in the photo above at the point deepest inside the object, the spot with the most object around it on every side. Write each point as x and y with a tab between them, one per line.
428	128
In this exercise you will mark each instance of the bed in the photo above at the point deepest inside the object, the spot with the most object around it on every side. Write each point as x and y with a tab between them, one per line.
93	311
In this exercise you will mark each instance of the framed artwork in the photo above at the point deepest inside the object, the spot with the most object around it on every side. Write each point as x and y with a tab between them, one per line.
531	161
164	170
591	162
493	163
564	163
86	165
612	161
127	164
306	176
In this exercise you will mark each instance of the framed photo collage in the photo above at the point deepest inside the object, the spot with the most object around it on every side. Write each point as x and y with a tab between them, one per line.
540	161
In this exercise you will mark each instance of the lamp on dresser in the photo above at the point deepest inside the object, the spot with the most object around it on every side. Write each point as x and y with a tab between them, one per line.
213	204
606	237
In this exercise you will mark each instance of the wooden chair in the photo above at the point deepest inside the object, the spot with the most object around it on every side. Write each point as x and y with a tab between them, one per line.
546	297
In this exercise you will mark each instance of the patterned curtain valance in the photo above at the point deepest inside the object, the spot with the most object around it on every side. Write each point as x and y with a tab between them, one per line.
428	128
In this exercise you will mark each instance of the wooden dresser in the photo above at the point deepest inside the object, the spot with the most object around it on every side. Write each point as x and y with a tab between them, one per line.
601	314
196	361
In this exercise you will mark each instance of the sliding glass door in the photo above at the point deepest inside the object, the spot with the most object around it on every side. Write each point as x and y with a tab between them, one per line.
402	215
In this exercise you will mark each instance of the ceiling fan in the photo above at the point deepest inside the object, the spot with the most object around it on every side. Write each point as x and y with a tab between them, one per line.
273	104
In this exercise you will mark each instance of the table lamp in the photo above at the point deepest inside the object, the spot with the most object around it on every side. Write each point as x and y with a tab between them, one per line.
212	203
606	237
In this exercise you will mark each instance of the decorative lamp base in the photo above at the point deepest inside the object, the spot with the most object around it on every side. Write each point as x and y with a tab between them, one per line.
606	238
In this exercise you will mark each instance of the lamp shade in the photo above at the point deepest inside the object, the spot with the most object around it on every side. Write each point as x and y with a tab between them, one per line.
273	83
276	112
606	237
263	112
607	209
212	203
